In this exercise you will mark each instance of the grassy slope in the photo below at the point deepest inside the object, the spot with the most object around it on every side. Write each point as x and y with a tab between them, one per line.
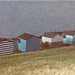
48	62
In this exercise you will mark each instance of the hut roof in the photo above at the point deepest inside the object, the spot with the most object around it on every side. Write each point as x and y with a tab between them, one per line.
26	36
4	39
50	34
69	33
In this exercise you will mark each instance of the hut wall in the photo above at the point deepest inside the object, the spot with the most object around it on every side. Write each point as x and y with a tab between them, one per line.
15	44
33	44
22	45
56	44
57	38
46	39
6	47
68	39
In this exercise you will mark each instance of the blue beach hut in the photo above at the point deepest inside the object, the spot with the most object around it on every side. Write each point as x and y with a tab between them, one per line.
69	38
28	42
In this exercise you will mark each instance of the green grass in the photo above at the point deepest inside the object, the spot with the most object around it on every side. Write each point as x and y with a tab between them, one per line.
60	61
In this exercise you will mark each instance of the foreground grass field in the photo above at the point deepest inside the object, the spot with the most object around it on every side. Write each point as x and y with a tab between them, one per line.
48	62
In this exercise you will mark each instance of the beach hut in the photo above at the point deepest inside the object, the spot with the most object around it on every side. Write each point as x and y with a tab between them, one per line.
69	37
6	46
53	39
28	42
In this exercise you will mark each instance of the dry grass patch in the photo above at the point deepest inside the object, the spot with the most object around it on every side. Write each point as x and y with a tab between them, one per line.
49	62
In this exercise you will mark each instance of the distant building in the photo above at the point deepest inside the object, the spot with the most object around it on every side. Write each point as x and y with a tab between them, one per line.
28	42
6	46
69	37
54	40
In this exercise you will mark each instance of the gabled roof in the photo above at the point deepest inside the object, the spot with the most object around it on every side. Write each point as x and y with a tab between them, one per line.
69	33
50	34
4	39
26	36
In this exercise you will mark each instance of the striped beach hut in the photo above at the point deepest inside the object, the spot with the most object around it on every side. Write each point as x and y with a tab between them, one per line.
6	46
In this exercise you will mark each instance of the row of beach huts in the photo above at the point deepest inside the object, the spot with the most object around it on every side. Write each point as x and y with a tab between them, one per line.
28	42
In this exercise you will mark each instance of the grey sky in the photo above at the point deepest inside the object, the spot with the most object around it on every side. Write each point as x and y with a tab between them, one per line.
35	17
37	0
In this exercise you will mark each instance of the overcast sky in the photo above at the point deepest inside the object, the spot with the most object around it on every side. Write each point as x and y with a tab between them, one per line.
37	0
35	17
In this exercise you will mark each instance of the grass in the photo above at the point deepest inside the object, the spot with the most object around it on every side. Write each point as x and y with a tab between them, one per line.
60	61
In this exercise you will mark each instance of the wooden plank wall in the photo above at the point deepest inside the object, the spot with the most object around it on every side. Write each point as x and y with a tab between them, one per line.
6	47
